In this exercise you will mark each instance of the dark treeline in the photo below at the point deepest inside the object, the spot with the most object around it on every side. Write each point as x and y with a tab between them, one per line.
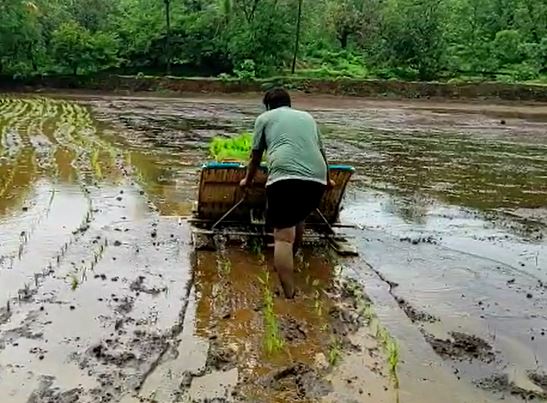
407	39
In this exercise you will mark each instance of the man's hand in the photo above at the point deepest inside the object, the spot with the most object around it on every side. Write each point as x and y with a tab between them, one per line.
331	184
244	183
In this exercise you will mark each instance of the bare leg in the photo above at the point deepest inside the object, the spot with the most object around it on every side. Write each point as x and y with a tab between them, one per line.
299	234
283	258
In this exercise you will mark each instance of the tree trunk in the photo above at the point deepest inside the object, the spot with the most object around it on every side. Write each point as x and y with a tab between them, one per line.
297	39
168	35
343	38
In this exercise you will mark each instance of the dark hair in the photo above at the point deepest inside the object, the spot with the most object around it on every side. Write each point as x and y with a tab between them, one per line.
276	98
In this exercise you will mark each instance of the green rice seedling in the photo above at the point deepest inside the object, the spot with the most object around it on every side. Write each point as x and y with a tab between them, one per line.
256	246
74	282
393	360
317	303
273	341
224	264
335	351
382	335
368	313
95	164
235	148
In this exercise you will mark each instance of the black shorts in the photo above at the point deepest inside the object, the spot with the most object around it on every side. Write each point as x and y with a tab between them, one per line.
291	201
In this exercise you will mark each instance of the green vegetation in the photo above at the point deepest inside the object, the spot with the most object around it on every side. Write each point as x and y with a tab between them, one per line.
335	351
405	39
231	148
74	282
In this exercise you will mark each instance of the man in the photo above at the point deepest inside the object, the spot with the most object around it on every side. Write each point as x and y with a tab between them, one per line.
297	175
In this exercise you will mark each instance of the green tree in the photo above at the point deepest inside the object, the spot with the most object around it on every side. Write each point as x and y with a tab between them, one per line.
71	45
346	18
424	39
414	36
297	35
507	47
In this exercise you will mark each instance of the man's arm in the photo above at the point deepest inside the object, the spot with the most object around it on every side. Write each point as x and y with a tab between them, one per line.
258	147
330	183
254	164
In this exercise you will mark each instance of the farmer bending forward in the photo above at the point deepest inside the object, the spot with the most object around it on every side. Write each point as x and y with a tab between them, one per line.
297	175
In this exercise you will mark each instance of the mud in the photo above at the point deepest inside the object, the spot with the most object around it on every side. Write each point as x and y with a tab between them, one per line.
501	385
414	314
48	393
339	86
301	379
539	379
102	298
462	347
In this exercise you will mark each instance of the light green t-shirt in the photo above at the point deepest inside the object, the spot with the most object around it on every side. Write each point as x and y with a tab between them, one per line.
292	141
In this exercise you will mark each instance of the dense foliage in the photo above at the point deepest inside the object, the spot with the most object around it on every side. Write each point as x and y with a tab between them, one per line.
409	39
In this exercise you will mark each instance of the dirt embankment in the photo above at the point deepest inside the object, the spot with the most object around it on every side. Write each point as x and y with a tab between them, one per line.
344	86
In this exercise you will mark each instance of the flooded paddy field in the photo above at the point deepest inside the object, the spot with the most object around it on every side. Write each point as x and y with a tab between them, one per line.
103	299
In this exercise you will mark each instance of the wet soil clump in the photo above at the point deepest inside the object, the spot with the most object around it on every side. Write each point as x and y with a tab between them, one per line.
540	379
221	358
138	286
47	393
301	378
293	330
414	314
501	384
462	347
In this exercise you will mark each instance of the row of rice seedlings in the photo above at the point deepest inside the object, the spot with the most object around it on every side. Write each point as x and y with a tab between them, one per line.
386	341
335	351
224	265
82	133
11	144
19	124
44	149
34	115
9	114
273	340
7	181
79	275
366	311
256	247
42	154
317	300
68	122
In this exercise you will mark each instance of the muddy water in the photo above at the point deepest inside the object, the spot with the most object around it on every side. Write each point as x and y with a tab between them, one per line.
101	298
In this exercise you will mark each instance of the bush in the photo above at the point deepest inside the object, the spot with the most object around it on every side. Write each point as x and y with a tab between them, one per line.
335	64
506	47
246	70
524	72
